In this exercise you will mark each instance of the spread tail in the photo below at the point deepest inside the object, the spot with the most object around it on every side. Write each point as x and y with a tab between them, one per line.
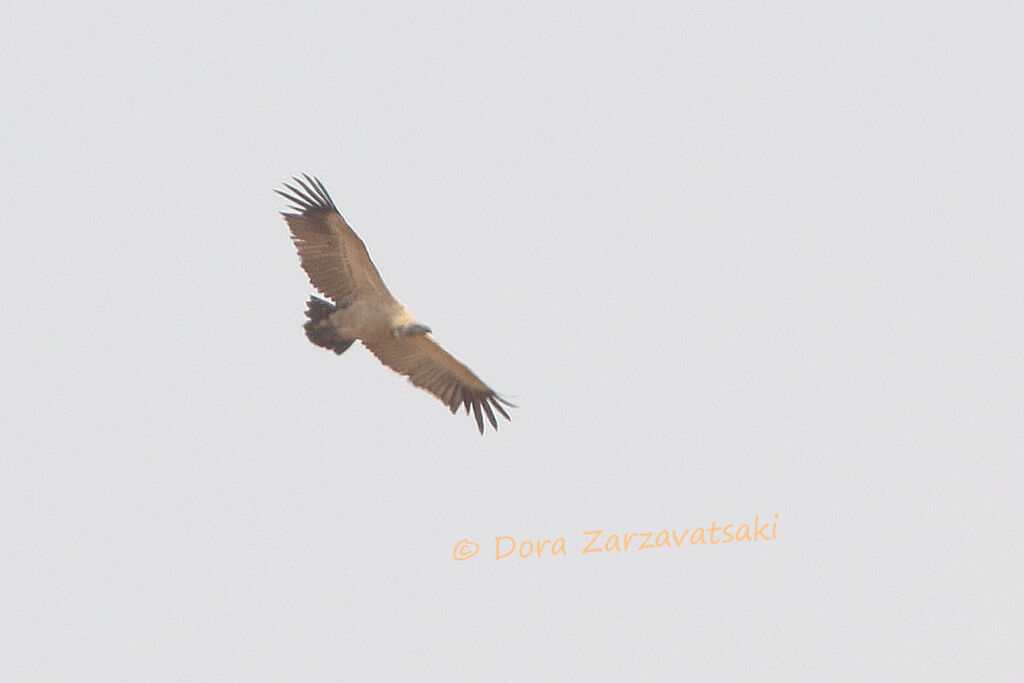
319	329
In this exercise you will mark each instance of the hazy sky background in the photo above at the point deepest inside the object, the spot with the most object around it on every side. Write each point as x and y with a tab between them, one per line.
730	260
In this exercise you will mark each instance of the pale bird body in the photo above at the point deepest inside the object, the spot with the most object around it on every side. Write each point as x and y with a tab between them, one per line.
339	266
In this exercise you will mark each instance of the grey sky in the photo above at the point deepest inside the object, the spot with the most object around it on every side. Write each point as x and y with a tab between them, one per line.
729	260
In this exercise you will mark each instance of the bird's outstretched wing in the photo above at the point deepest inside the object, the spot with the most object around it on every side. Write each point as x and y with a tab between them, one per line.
430	367
333	256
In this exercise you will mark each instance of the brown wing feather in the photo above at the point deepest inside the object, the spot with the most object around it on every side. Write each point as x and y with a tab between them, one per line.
430	367
333	256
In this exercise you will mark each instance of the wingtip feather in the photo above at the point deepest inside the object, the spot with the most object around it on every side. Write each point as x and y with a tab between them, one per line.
312	196
478	417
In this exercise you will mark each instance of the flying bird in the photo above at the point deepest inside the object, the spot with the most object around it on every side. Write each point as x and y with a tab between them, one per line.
361	307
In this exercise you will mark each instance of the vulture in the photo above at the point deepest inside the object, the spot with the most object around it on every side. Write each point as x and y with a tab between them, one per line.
361	307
